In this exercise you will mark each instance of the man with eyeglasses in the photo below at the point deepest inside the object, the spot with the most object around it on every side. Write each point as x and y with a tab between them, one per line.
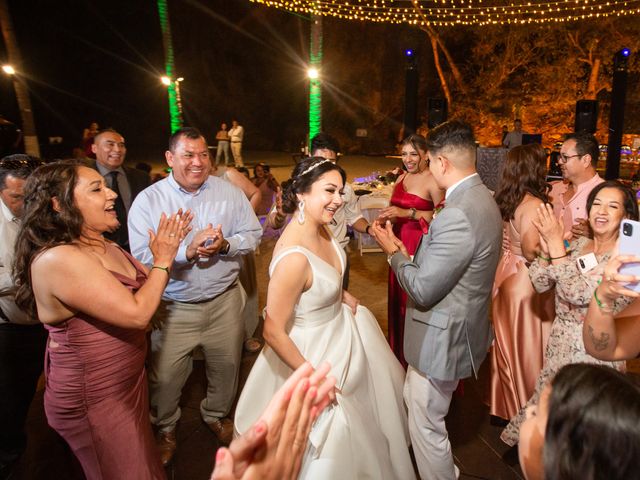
22	338
110	150
578	159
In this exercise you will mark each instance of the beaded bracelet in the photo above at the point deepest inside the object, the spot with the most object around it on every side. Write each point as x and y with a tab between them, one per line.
603	306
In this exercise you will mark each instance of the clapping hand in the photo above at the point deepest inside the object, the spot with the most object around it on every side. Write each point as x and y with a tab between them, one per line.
273	448
206	242
387	239
164	242
550	229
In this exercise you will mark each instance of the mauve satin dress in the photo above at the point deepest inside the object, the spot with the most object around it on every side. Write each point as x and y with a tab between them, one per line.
96	394
522	321
410	232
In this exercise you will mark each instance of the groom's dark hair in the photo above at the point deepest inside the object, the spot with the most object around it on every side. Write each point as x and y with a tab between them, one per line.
455	134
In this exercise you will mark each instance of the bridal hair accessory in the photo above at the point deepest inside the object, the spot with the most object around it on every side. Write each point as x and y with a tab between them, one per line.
301	212
315	165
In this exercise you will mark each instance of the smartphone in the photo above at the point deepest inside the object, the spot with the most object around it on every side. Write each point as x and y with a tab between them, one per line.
587	262
630	245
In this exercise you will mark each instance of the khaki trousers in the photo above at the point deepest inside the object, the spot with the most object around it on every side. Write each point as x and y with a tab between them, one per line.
236	150
217	327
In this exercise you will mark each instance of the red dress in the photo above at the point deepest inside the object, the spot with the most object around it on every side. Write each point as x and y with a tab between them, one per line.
410	232
96	394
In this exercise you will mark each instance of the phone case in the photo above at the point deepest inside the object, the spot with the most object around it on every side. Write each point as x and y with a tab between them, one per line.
630	245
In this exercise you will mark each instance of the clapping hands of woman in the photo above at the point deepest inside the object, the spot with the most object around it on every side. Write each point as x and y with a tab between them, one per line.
273	448
551	232
164	242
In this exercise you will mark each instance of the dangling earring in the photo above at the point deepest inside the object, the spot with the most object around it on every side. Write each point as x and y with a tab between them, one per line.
301	212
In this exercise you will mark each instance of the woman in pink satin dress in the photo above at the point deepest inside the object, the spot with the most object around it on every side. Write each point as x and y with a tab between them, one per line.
96	301
411	209
521	317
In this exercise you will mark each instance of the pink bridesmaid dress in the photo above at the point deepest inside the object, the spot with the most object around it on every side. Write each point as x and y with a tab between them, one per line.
96	394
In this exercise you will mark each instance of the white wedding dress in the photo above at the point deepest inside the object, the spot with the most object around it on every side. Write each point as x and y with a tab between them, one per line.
365	435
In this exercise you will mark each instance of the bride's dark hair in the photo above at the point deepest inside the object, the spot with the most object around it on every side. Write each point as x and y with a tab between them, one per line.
305	174
43	227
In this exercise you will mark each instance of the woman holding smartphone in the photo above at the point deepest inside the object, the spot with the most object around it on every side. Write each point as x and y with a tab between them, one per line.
556	266
608	336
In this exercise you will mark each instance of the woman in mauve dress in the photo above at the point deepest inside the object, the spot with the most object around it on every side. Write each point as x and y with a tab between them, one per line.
411	209
96	301
521	317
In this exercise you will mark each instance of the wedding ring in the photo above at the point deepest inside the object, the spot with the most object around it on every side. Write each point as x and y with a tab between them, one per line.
172	234
609	278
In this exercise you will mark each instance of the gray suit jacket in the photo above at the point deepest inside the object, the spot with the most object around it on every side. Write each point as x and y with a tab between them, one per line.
447	330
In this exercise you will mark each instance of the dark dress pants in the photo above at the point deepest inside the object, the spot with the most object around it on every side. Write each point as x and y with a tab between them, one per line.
21	361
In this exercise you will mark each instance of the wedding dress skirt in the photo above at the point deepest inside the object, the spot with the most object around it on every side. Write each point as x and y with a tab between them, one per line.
365	435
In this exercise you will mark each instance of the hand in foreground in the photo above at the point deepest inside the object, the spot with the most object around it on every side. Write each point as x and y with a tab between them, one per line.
273	448
350	301
387	239
614	283
164	242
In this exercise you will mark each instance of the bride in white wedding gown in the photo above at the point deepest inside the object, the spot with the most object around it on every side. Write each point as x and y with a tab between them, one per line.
310	318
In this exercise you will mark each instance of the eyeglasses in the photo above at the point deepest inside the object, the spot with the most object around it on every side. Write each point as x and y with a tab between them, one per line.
565	158
20	162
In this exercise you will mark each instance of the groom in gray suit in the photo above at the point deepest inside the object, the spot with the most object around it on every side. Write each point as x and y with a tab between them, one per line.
447	331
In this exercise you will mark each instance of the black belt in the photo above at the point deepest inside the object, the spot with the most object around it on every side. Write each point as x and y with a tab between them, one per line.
237	142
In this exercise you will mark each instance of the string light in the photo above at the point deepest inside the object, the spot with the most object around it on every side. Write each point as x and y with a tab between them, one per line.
460	12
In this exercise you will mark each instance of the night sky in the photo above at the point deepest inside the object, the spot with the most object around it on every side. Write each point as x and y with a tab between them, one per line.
89	60
101	60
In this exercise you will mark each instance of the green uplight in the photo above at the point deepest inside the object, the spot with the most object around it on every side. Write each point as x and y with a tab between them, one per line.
315	86
174	110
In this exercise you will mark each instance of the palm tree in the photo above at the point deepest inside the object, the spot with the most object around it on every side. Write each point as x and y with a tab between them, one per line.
19	84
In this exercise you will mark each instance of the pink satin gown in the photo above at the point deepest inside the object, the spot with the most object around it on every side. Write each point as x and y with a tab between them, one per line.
410	232
96	394
522	321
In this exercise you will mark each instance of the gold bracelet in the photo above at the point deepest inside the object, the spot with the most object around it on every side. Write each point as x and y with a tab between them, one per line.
166	269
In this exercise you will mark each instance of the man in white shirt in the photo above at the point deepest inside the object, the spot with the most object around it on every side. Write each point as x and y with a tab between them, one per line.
236	136
22	338
514	138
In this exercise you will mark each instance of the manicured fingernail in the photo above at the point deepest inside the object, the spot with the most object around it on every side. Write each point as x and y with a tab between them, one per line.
220	454
259	428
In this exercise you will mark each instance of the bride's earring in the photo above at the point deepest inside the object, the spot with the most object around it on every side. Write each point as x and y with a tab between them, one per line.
301	212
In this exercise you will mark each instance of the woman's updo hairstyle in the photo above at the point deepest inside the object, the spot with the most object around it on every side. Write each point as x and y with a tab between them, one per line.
304	175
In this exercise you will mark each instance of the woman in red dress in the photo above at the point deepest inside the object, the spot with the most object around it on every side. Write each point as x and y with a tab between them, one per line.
96	301
411	209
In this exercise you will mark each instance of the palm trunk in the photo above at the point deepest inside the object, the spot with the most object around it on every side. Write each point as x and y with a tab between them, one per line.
22	92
